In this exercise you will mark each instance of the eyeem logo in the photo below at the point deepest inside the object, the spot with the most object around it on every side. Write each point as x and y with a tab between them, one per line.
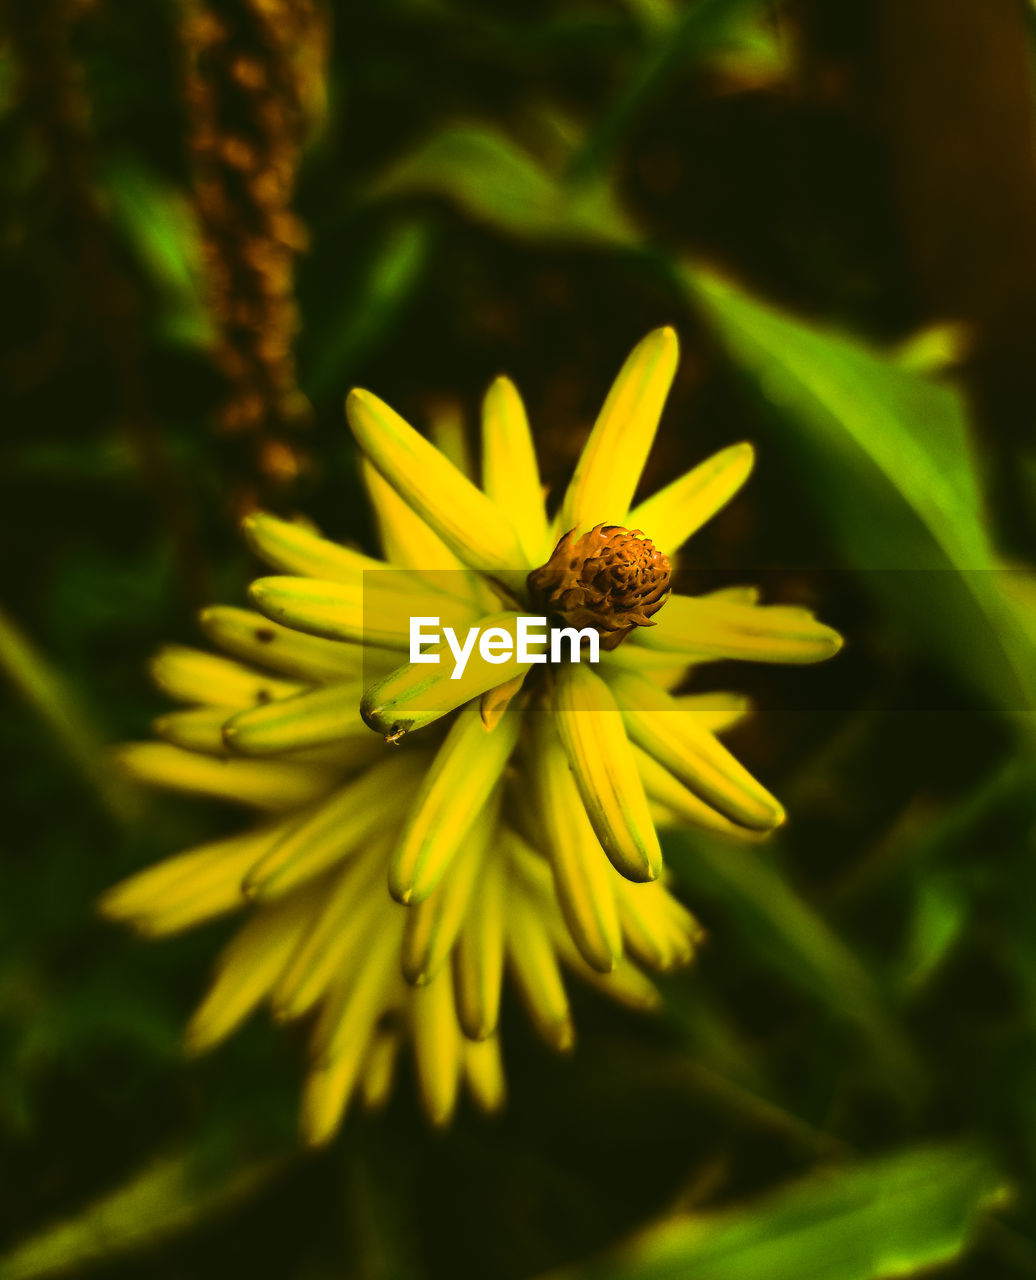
497	645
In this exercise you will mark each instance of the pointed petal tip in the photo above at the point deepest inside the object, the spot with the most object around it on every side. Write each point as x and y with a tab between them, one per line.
565	1036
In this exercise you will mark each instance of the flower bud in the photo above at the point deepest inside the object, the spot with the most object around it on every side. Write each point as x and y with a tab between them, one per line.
612	579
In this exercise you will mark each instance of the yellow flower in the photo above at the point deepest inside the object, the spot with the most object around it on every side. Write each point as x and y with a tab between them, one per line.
513	818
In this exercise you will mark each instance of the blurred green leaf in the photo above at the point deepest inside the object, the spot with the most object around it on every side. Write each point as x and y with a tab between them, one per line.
159	226
167	1198
700	31
884	1217
45	693
492	180
782	932
888	1217
885	455
370	310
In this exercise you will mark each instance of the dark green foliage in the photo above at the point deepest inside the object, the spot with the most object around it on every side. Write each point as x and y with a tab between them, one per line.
845	1086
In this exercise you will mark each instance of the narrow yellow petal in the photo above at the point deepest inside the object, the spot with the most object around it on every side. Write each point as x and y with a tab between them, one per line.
496	701
463	517
446	428
478	960
672	515
195	885
247	970
625	984
305	720
582	874
432	926
326	1095
199	729
741	593
461	779
726	629
191	675
437	1048
292	548
264	784
510	475
715	711
370	986
419	693
202	729
379	1069
648	926
406	539
594	737
249	635
678	805
376	611
347	910
337	827
609	468
484	1074
533	965
693	755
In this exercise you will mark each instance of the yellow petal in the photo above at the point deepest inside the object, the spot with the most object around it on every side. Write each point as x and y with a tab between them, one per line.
305	720
672	515
461	779
478	960
484	1074
715	711
196	885
292	548
249	635
678	805
496	701
510	476
446	428
533	965
582	875
337	827
648	926
693	755
376	611
463	517
200	729
346	1032
437	1048
609	467
432	926
379	1069
625	984
594	737
405	538
247	971
366	989
265	784
191	675
340	923
419	693
724	629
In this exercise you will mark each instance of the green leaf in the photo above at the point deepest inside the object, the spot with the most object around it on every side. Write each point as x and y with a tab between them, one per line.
159	226
168	1197
492	180
782	932
368	311
53	703
887	1217
884	454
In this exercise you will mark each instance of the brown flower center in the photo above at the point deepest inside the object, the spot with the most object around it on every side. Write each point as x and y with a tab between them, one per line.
612	579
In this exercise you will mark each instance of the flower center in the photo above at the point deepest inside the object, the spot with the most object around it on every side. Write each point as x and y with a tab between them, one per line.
612	579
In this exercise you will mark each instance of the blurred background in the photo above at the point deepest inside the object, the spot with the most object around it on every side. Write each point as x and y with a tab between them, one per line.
217	216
